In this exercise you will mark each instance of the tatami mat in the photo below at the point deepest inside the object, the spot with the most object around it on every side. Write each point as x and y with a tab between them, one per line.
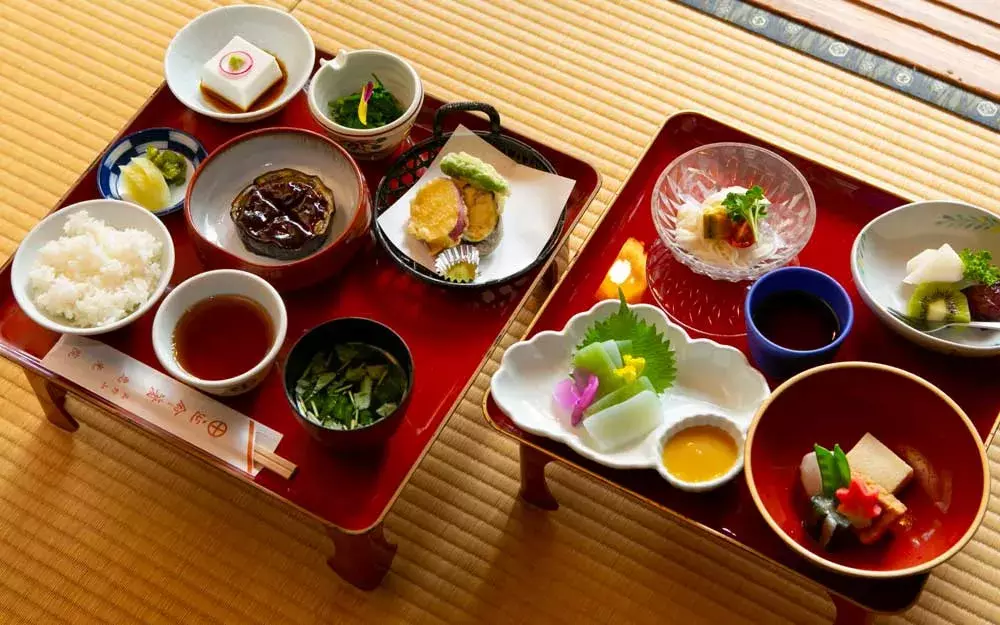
109	526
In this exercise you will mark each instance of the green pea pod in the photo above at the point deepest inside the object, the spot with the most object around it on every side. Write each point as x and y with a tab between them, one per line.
843	468
834	471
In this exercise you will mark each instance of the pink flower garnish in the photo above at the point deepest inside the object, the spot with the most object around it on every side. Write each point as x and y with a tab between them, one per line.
576	393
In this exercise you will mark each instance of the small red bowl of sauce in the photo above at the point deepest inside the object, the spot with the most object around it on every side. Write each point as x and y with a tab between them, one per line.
220	331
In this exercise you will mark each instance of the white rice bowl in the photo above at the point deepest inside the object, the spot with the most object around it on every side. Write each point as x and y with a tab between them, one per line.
92	267
95	274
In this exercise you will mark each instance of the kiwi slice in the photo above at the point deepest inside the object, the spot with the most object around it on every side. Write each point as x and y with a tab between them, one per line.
939	302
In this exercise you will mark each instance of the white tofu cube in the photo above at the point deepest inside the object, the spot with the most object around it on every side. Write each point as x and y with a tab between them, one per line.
240	73
880	464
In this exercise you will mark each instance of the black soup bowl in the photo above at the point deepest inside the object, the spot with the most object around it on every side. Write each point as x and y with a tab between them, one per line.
323	338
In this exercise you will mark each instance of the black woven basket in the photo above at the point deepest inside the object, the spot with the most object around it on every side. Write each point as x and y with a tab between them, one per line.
408	168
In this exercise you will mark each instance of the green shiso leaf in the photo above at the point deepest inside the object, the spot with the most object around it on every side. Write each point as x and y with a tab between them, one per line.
647	343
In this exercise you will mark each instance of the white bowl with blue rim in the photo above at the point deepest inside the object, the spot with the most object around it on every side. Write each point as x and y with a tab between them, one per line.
135	144
880	252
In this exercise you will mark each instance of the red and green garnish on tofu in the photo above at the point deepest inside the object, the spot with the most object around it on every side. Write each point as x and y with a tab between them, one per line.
854	491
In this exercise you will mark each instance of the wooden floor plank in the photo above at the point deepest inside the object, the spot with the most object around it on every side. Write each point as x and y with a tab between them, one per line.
986	10
949	44
943	21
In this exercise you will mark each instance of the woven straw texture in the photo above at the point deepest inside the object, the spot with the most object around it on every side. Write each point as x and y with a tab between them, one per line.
107	525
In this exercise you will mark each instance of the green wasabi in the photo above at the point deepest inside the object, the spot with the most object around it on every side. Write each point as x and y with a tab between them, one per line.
474	171
171	164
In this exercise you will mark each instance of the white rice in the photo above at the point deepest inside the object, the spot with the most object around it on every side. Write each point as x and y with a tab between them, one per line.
95	274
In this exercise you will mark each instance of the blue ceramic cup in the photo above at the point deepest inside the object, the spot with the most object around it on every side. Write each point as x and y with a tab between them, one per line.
780	362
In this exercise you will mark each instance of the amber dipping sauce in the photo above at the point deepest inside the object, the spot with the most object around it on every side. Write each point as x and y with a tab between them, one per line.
265	99
222	337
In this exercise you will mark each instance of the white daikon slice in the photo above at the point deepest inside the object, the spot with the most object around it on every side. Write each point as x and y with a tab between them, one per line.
919	259
812	481
625	423
944	266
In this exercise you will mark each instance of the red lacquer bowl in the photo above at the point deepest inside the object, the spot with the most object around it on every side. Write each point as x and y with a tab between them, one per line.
838	403
235	164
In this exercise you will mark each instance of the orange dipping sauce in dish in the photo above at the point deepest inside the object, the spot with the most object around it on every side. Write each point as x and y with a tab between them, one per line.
700	453
222	336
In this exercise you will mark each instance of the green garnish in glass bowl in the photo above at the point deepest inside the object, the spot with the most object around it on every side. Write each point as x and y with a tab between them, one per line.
383	108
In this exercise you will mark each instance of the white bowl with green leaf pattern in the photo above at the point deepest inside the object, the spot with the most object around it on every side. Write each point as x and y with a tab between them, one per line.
880	252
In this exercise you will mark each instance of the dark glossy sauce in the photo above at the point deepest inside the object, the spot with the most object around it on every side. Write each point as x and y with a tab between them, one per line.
286	208
265	99
796	320
222	337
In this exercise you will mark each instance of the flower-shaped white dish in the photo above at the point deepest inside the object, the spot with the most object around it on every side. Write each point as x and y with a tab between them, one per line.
711	378
272	30
880	252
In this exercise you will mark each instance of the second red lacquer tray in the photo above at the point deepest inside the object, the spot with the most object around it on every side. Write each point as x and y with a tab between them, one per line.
844	206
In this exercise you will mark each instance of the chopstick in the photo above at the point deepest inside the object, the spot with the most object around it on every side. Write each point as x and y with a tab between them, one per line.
273	462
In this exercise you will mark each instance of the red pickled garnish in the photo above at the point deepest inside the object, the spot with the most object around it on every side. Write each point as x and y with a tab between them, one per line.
742	234
858	501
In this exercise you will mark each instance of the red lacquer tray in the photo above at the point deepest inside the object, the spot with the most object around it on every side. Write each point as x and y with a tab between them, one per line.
844	206
449	333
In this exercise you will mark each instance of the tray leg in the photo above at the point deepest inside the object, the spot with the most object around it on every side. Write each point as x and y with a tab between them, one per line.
849	613
53	401
551	276
361	559
534	488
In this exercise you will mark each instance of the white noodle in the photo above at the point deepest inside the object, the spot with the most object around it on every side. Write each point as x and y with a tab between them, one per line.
690	236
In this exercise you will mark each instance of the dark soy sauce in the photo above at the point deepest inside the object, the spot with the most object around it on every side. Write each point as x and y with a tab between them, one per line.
796	320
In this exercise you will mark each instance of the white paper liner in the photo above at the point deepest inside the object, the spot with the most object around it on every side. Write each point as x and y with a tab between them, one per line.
530	215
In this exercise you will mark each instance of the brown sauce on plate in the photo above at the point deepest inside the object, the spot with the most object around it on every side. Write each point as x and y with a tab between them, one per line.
222	336
265	99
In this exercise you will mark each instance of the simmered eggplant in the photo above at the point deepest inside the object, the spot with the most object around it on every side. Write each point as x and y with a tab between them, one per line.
284	214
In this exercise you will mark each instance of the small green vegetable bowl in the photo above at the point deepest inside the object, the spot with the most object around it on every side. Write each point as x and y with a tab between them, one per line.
348	382
342	77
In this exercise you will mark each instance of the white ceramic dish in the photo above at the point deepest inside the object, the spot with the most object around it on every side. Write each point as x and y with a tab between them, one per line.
202	286
114	213
272	30
233	166
725	424
880	252
346	74
711	378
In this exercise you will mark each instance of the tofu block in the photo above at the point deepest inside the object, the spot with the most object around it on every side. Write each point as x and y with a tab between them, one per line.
876	461
240	73
892	511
